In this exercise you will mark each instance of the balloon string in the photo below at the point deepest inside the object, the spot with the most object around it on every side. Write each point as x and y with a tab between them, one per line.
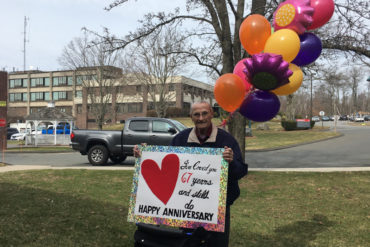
226	120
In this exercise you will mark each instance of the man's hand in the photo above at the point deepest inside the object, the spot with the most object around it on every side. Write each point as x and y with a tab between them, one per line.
228	154
137	153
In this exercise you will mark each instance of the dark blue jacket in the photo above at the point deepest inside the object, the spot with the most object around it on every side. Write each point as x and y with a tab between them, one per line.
237	168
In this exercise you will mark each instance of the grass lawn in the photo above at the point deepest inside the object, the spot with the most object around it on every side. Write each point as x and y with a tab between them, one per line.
89	208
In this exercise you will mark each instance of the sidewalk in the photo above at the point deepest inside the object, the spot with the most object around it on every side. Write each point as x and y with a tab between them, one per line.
10	168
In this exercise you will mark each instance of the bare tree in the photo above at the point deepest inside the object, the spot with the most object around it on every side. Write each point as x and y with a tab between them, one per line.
153	61
96	73
354	78
218	23
348	31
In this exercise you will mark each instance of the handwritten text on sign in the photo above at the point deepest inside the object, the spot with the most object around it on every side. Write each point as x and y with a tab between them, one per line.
179	186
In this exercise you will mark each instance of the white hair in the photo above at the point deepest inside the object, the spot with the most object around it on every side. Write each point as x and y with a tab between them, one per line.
198	103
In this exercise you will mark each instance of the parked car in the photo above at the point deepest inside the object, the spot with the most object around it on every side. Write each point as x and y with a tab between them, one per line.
19	136
359	119
343	118
325	118
315	119
10	132
38	132
100	145
367	117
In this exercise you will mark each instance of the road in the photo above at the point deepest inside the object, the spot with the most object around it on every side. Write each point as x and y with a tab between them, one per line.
350	150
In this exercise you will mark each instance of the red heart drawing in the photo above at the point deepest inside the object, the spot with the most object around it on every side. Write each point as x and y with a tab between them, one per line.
161	182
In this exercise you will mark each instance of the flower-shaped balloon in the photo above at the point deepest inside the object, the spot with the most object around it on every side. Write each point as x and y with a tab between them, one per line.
294	14
267	71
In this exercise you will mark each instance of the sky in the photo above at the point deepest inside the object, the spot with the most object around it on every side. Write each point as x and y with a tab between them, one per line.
52	24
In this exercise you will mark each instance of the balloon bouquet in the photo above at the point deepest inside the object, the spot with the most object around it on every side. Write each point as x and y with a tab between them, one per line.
274	66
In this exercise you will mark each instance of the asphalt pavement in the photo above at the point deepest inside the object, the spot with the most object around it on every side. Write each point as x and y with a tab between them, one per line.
349	152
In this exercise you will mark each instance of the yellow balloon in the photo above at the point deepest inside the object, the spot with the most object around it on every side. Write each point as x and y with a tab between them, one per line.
283	42
295	81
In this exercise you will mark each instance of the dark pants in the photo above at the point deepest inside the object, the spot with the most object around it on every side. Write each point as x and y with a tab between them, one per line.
221	239
213	239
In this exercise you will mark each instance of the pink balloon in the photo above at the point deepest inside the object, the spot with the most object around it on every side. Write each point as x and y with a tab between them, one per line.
238	70
323	11
293	14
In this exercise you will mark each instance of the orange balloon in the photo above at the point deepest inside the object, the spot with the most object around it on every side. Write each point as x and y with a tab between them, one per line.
253	33
295	82
229	91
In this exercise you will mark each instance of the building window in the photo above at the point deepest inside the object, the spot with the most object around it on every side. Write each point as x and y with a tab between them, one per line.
138	89
79	109
40	96
46	81
17	97
171	87
135	107
62	81
150	106
40	82
186	105
35	109
62	95
15	83
78	94
121	108
81	78
129	108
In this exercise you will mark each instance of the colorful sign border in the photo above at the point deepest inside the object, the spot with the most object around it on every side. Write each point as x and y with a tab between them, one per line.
219	227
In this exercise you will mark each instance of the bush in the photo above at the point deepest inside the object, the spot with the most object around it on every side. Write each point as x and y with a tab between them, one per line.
151	113
292	125
289	124
177	112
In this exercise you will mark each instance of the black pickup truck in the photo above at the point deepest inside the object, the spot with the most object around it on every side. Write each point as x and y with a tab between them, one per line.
99	145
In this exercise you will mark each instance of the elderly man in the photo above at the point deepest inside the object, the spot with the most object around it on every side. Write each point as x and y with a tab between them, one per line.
206	134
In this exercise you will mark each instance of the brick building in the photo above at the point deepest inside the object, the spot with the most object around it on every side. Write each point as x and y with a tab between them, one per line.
30	91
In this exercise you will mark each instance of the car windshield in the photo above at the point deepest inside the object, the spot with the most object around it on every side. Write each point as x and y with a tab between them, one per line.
179	125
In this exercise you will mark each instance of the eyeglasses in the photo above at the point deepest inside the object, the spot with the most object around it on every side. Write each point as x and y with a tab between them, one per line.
203	114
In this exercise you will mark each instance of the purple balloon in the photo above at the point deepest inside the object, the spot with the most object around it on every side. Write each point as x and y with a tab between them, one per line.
310	49
260	106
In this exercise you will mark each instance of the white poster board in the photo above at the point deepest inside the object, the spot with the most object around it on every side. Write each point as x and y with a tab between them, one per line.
180	186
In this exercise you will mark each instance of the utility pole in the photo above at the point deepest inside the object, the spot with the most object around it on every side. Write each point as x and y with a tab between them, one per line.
24	42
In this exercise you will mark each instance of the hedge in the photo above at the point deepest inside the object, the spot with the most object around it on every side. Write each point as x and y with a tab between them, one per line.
292	125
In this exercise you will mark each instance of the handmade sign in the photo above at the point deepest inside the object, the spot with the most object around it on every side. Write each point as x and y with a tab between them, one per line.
180	187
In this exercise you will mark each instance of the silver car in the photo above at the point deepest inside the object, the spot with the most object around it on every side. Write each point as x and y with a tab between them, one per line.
315	119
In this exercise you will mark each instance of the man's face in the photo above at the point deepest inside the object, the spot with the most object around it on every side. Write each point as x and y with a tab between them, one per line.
201	116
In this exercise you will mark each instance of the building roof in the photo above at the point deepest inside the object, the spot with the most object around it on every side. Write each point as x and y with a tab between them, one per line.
49	114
